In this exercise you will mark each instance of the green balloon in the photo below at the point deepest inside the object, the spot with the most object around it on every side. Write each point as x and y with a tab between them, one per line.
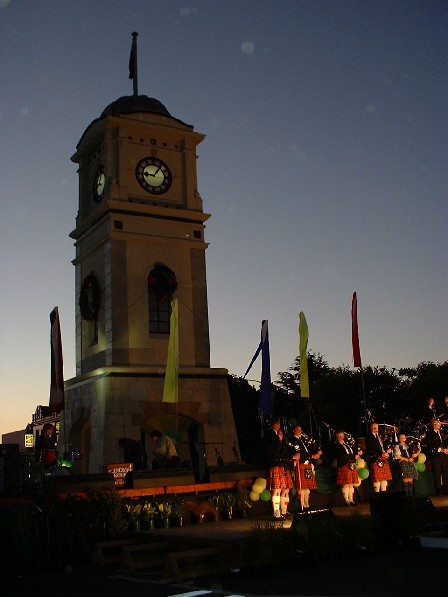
265	495
420	467
363	473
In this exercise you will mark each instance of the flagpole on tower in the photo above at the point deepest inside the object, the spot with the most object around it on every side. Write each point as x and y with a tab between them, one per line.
357	354
133	72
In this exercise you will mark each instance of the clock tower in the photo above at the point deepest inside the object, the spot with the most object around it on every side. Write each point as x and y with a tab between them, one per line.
140	242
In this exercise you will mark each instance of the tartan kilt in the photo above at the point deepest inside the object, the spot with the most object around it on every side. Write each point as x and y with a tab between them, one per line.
345	476
279	478
380	473
304	482
407	470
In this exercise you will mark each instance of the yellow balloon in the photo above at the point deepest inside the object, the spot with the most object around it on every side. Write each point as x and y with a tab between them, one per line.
421	458
259	485
254	496
360	463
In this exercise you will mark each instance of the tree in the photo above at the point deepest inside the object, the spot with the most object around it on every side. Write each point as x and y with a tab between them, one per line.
290	382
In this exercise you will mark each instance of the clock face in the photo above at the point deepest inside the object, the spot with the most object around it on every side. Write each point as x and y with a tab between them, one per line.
153	175
99	185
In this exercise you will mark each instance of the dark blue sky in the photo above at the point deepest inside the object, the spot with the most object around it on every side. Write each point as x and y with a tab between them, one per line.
324	169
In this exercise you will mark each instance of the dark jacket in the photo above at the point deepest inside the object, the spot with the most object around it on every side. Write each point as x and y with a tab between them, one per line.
341	455
373	448
275	451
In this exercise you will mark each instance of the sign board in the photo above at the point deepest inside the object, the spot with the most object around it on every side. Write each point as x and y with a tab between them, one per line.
119	472
29	440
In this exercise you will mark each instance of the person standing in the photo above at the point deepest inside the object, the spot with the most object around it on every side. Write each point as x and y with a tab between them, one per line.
305	480
346	472
45	449
438	454
277	460
406	459
429	412
377	457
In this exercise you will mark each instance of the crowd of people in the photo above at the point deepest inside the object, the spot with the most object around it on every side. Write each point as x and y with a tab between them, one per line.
291	458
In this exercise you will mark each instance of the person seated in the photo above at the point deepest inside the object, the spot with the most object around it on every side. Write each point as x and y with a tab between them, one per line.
164	451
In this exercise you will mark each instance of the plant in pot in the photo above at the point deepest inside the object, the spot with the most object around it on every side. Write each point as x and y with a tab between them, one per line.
148	513
242	501
165	511
179	512
226	502
134	511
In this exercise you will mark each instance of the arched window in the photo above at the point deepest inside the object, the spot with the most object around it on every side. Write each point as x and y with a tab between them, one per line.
162	285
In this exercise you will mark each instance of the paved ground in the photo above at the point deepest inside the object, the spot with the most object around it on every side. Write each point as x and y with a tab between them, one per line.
410	570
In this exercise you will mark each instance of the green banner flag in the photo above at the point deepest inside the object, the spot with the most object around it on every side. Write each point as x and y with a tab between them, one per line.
303	345
171	385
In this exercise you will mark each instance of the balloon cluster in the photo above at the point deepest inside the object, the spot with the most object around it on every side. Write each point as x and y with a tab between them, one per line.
259	491
363	471
420	465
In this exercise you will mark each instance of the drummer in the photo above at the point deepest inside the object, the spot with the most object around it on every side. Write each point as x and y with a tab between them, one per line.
45	448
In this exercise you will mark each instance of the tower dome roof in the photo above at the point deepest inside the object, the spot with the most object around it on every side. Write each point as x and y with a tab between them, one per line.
129	104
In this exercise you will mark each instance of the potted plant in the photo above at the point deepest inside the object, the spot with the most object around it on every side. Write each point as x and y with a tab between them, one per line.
242	501
179	511
165	510
226	502
134	511
148	513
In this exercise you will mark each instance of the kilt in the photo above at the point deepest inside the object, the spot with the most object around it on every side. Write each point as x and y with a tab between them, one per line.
345	476
307	479
279	478
380	473
407	470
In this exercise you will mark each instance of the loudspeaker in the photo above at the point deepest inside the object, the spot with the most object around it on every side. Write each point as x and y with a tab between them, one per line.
389	511
423	504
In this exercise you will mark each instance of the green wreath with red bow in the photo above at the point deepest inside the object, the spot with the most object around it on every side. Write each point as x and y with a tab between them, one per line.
89	298
162	282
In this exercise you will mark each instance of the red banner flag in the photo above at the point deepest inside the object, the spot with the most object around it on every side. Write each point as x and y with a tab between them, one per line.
57	374
355	336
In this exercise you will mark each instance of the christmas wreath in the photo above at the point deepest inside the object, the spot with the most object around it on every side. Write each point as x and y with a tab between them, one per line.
162	282
89	298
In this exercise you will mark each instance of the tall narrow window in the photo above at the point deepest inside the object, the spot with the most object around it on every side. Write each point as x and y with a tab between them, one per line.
162	285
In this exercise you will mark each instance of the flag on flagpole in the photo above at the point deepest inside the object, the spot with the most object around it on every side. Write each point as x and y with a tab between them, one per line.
303	346
133	57
133	70
57	371
171	385
355	335
265	403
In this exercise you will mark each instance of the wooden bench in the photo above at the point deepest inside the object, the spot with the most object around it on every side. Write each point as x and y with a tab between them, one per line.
144	555
109	552
192	563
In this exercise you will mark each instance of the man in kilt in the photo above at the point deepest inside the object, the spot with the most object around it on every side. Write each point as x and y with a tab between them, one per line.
346	472
277	460
406	459
377	458
307	451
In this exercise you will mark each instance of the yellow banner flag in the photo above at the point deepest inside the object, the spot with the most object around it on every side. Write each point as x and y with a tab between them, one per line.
171	385
303	345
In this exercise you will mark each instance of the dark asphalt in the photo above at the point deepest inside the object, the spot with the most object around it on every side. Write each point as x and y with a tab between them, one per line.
410	570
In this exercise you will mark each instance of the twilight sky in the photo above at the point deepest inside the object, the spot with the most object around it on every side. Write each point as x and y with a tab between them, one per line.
324	168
